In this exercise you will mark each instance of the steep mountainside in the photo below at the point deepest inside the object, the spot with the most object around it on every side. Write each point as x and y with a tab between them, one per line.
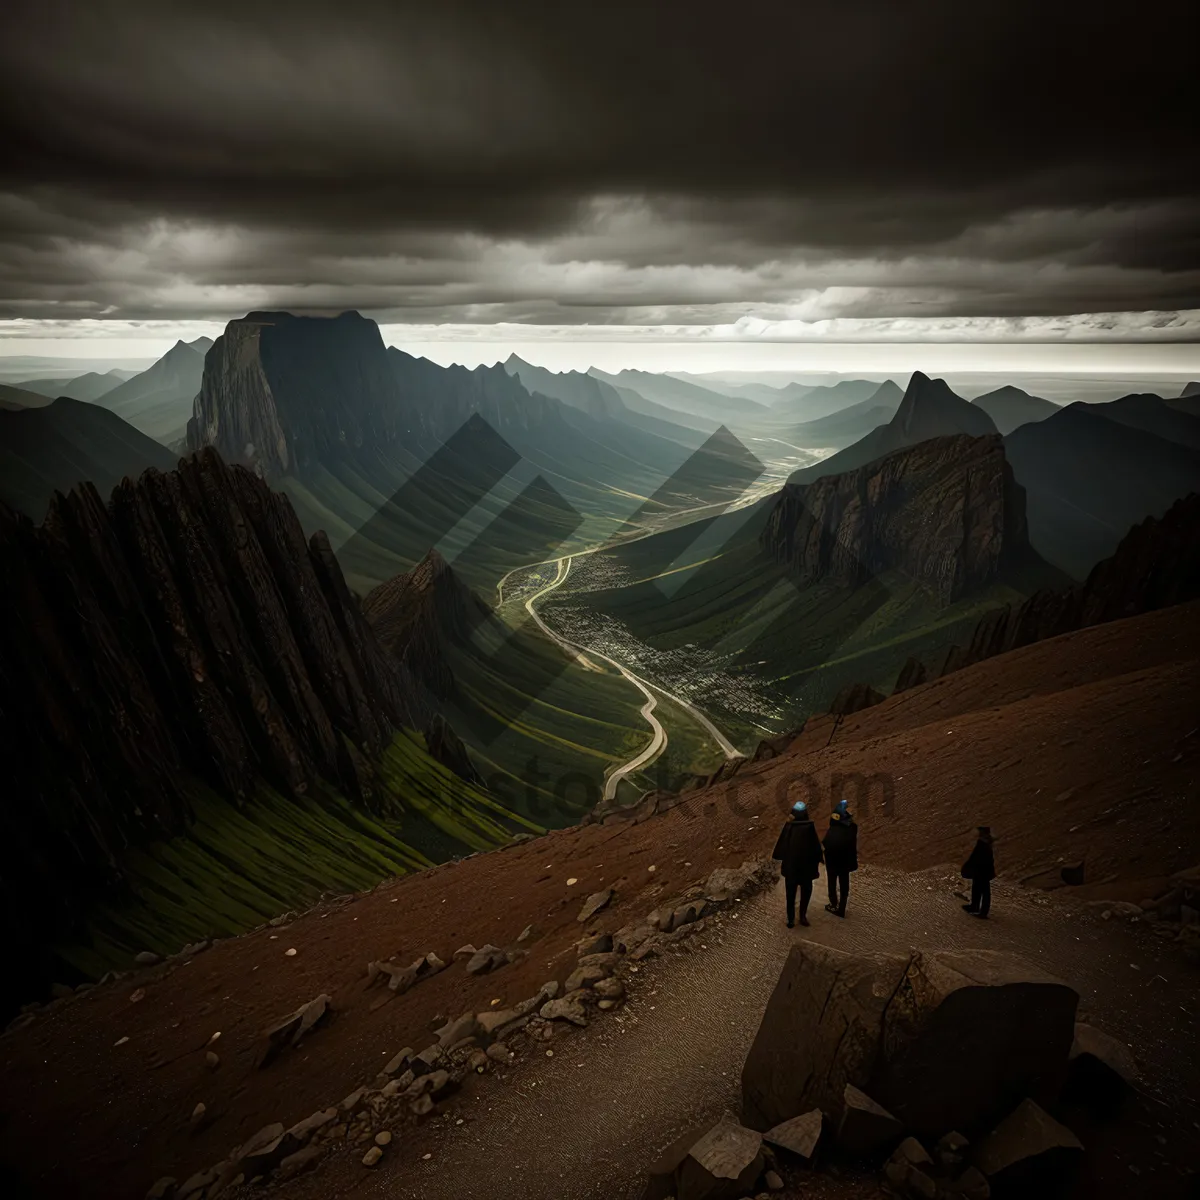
1156	565
158	401
417	615
1010	407
56	446
929	409
946	512
1089	479
1153	414
182	641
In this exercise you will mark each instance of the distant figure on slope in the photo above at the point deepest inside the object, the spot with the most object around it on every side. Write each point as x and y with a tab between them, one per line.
799	852
841	856
980	869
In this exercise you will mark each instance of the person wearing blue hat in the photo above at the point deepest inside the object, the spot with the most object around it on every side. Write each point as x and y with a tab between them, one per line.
799	853
841	856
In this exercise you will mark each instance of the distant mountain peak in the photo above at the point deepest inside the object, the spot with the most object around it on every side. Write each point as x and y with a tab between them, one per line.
931	409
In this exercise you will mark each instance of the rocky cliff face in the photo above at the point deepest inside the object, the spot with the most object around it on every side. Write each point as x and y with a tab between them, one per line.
1156	565
184	630
946	511
282	393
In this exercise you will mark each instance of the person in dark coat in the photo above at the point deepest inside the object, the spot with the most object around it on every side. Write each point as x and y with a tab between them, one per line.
799	852
841	857
980	869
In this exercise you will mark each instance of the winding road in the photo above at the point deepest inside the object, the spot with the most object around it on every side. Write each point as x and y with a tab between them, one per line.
658	740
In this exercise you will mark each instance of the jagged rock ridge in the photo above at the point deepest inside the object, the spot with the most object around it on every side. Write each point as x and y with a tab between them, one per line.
946	511
186	629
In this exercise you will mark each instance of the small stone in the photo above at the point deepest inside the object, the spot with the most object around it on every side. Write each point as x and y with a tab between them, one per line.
198	1114
147	958
773	1181
499	1052
467	951
383	1138
593	904
215	1037
290	952
422	1106
212	1060
372	1156
120	1041
572	881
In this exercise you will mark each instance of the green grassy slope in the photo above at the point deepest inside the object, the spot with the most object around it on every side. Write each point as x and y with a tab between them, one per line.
237	867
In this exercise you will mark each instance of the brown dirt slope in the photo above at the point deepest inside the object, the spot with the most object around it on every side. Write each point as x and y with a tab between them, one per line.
1084	745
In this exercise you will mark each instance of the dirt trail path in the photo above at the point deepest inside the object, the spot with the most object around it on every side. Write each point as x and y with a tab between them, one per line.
583	1124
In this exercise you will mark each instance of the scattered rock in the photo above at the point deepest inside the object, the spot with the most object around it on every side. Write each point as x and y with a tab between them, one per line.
906	1169
198	1115
1029	1154
499	1052
773	1181
467	951
586	977
422	1106
600	943
354	1101
212	1060
1102	1071
294	1027
865	1128
372	1156
486	960
303	1130
295	1164
685	914
950	1151
147	958
466	1026
609	989
593	904
398	1062
383	1138
801	1135
970	1185
568	1008
628	939
726	1161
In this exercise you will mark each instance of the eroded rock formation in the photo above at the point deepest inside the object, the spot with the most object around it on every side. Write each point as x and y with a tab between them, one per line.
947	512
185	631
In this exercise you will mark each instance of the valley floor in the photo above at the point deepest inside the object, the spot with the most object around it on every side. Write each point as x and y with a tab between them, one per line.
1084	747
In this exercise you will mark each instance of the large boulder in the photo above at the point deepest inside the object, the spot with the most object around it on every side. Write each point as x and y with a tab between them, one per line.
822	1029
1029	1154
968	1035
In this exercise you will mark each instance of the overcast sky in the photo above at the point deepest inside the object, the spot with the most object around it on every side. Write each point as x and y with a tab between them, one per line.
907	171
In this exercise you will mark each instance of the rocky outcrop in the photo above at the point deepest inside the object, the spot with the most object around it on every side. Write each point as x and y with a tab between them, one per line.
184	632
283	393
947	512
417	614
1156	565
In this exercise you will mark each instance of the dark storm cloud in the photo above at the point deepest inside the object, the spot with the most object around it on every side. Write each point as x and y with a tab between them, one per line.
991	158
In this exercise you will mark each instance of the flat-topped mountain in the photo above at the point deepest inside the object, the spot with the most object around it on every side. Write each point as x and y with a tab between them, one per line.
929	409
281	393
947	512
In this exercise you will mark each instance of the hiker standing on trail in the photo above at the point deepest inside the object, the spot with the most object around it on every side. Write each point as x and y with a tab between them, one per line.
799	852
841	856
980	869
